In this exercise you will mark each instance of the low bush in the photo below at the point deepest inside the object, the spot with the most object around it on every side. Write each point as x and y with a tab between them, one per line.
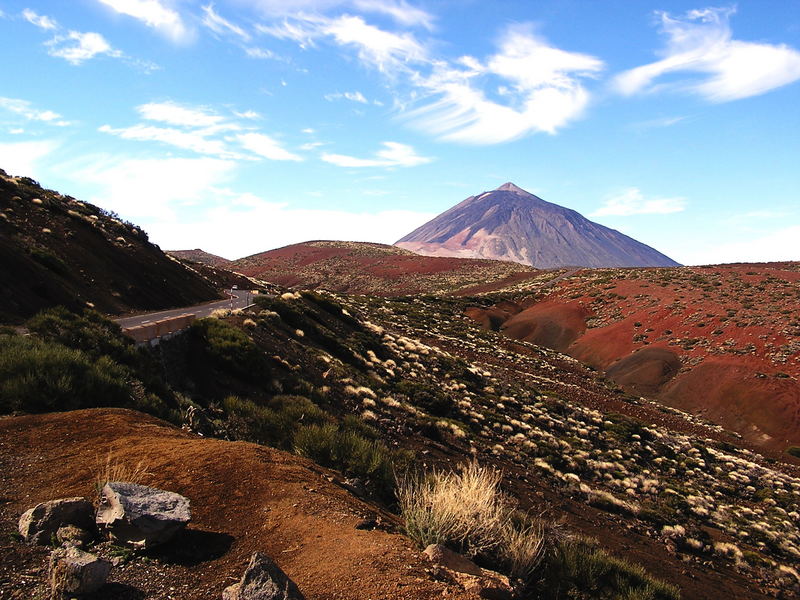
38	376
577	568
230	349
273	424
346	449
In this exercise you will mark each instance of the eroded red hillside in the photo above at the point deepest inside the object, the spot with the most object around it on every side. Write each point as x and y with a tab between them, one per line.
721	341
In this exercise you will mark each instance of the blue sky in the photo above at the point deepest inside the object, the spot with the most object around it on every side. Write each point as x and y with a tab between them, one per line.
243	125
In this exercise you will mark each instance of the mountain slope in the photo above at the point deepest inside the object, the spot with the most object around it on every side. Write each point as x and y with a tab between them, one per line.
56	250
365	268
514	225
200	256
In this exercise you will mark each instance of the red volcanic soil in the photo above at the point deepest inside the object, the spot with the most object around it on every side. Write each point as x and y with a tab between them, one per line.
244	498
549	324
723	341
364	268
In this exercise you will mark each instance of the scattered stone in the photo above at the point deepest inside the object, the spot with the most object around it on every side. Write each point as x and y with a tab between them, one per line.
140	516
263	580
481	582
444	557
75	536
40	524
75	572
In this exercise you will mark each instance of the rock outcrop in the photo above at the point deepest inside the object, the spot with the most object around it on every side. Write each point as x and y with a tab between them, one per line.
140	516
263	580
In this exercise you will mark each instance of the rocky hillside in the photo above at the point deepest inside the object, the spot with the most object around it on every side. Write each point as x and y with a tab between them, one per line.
514	225
719	341
56	250
370	386
364	268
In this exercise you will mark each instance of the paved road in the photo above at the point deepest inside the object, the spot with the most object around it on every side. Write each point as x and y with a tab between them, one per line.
240	299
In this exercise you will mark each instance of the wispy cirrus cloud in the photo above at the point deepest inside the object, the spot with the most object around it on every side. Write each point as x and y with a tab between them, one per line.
527	86
154	14
41	21
25	158
26	110
77	47
540	90
266	147
393	154
355	96
701	43
400	11
219	25
203	131
633	202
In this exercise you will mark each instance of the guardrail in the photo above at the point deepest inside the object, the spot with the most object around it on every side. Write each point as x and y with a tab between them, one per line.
151	333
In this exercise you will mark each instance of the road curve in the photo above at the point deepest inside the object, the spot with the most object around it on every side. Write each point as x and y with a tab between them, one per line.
239	299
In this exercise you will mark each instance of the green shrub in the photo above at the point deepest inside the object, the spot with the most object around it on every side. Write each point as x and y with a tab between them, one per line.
273	424
577	567
90	332
230	348
793	451
347	450
37	376
50	261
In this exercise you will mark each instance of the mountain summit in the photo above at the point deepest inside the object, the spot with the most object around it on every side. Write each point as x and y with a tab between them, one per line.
511	224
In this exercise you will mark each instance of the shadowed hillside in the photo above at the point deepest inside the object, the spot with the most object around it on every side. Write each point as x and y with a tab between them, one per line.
56	250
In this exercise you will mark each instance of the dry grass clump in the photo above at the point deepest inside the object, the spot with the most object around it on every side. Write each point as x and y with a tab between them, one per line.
467	511
114	469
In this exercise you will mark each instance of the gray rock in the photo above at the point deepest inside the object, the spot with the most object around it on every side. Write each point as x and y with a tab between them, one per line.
40	524
263	580
74	572
140	516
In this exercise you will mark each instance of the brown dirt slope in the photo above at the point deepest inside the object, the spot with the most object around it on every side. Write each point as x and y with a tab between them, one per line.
58	250
365	268
721	341
244	498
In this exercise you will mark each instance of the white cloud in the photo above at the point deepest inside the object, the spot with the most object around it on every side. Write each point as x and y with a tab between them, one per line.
632	202
776	245
255	52
220	25
702	42
155	14
41	21
196	141
387	51
248	114
152	188
23	158
392	155
77	47
400	10
25	109
178	114
352	96
541	91
265	146
243	225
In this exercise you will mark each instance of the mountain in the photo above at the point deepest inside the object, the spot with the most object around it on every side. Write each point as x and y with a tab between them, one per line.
56	250
367	268
514	225
200	256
